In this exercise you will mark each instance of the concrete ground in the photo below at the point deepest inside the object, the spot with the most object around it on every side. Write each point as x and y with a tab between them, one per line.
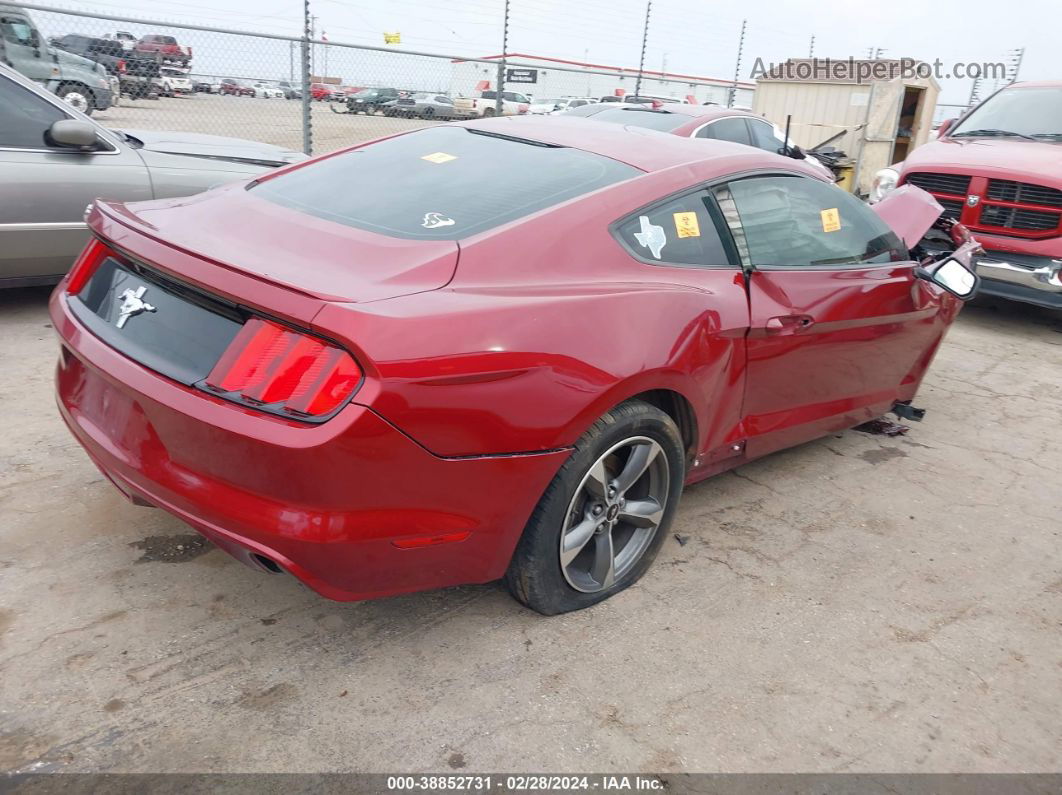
272	121
860	603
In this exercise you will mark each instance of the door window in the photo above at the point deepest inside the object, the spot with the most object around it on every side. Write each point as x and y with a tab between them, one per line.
24	117
679	231
783	221
17	31
732	129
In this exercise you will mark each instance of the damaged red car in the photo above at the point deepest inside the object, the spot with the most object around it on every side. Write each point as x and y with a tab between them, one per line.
497	349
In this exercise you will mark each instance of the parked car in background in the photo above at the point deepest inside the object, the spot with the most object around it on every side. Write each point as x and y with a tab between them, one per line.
422	105
997	169
543	107
125	38
291	90
484	104
175	82
55	161
167	47
203	84
525	410
369	100
132	70
82	83
321	91
266	91
711	122
230	85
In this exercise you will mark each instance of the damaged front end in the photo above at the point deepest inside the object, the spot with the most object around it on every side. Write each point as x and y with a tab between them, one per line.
943	247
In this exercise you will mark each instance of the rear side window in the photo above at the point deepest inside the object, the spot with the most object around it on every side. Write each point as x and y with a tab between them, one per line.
636	117
441	183
801	222
727	130
679	231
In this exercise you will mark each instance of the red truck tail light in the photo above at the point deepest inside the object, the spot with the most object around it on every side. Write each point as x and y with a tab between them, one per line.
121	66
281	370
86	264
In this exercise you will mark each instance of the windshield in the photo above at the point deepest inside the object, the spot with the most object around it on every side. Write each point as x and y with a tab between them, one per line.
441	183
550	101
637	117
368	92
1035	112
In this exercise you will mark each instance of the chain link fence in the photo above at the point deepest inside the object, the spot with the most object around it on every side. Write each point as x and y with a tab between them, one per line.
264	87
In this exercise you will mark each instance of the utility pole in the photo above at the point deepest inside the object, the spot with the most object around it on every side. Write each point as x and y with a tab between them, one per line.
501	64
291	62
737	67
1016	57
307	129
313	47
975	90
645	38
811	48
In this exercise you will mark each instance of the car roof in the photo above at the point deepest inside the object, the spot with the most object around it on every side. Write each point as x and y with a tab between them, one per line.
647	150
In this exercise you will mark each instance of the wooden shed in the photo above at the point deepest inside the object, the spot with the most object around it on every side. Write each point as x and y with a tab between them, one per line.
876	111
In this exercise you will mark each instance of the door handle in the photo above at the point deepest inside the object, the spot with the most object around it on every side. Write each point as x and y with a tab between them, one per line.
789	324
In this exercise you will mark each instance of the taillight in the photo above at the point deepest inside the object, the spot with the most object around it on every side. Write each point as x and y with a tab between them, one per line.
94	253
121	66
273	367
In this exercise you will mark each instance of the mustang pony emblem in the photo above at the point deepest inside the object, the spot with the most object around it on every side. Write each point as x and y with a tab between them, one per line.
132	304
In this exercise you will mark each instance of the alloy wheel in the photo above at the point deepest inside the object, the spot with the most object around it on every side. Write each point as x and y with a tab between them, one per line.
614	514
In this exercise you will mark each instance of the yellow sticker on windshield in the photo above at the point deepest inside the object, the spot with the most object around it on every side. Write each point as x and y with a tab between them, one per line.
686	225
439	157
831	220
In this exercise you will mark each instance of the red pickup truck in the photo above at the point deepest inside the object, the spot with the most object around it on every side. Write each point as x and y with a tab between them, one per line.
998	170
167	48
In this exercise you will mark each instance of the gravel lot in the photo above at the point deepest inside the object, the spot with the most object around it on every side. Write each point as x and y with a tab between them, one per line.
860	603
274	121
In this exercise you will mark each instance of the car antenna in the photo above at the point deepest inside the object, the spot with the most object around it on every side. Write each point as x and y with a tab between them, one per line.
788	121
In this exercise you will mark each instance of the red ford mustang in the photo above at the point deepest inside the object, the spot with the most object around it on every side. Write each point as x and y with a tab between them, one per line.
494	349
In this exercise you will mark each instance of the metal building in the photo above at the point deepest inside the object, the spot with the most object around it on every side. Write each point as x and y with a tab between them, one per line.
876	121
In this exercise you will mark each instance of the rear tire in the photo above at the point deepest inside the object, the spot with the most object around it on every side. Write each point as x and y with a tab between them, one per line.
596	531
488	113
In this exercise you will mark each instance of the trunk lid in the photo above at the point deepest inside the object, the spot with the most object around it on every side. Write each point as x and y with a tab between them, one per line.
315	257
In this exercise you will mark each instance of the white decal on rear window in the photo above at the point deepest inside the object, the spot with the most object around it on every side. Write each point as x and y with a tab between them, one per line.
651	236
436	220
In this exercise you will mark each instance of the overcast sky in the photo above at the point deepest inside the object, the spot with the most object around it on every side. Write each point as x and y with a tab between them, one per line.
690	36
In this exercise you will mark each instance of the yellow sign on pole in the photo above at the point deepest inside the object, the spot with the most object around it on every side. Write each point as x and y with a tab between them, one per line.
392	38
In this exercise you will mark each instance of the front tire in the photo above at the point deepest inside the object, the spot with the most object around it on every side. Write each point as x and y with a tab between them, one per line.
78	97
603	518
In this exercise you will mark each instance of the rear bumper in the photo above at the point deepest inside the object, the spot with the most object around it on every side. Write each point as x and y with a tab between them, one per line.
1022	277
326	502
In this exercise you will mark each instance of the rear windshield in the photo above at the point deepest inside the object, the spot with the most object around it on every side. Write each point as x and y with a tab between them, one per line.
441	183
653	119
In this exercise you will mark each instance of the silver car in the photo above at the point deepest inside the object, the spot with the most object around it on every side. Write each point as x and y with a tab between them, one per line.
422	105
55	160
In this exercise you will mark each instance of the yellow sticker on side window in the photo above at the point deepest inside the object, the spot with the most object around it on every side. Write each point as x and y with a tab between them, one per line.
686	225
831	220
439	157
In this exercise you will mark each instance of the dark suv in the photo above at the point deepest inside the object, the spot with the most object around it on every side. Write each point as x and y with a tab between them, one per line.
370	99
